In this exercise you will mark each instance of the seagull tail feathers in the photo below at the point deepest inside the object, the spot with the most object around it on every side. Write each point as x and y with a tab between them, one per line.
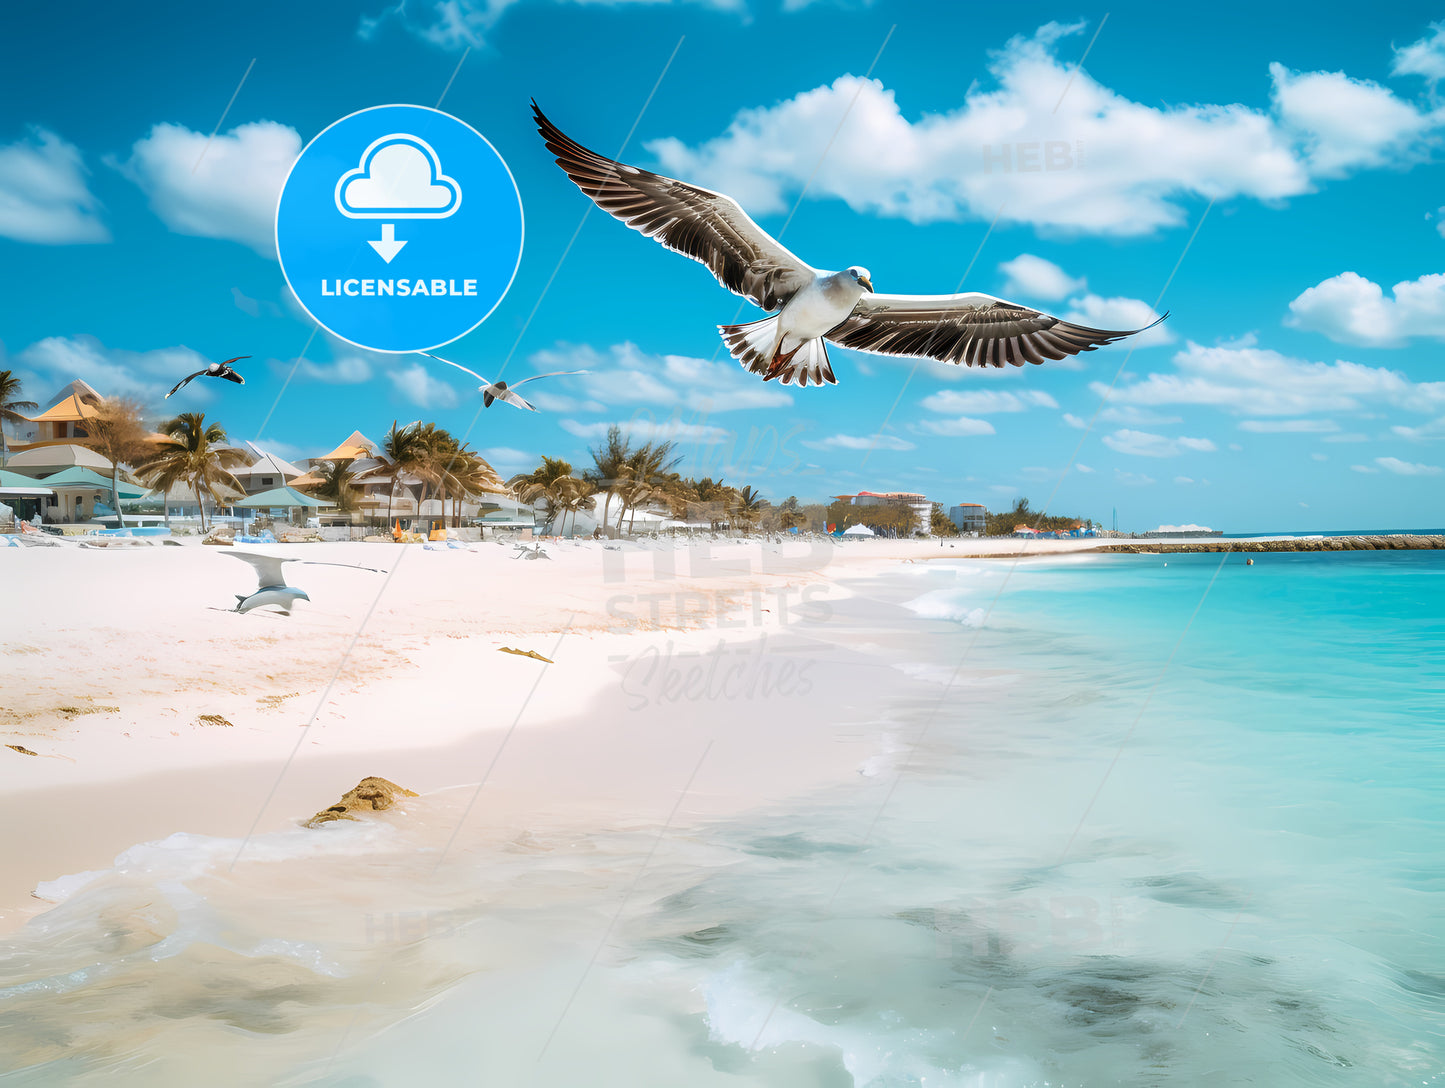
757	346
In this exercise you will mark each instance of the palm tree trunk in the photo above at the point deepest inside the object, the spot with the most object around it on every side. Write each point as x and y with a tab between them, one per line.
200	502
115	494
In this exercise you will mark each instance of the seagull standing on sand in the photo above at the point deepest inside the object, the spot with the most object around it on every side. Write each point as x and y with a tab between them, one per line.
973	329
272	588
492	391
215	370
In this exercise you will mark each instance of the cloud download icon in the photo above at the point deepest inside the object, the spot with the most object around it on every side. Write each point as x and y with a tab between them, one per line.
395	164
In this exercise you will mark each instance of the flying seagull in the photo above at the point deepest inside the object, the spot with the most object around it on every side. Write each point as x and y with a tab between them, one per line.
492	391
271	583
215	370
973	329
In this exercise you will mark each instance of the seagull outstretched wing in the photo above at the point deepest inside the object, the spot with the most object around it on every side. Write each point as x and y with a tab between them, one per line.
268	567
972	329
184	382
459	366
709	227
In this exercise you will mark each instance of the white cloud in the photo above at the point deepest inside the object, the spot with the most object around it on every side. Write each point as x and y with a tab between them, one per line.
1258	382
1130	416
646	430
1407	468
1076	422
1353	310
1034	277
1144	444
1352	437
1095	162
962	427
1366	469
144	375
1289	426
1319	457
987	402
504	457
458	24
231	194
1183	480
1133	479
346	370
1434	429
1119	313
1343	124
44	195
417	385
1080	467
861	442
1424	58
624	374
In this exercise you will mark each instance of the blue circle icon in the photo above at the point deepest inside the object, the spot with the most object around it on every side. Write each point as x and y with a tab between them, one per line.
399	228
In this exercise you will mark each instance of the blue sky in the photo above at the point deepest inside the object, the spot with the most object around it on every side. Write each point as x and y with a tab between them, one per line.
1297	384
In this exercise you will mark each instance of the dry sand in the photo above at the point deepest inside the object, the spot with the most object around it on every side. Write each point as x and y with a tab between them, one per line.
151	708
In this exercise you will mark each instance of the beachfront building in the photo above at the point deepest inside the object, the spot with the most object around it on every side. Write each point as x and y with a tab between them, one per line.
920	506
265	472
63	418
968	517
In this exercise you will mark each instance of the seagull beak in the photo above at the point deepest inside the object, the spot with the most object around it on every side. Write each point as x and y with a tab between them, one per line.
867	283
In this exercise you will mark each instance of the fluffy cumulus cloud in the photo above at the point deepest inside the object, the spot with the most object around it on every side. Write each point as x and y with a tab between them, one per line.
1407	468
625	374
1091	160
1424	58
1144	444
344	370
228	189
1353	310
987	402
45	195
417	385
1433	430
144	375
960	427
1119	313
1257	382
460	24
861	442
1035	278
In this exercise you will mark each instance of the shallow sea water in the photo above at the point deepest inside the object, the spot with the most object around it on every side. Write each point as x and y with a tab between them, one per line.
1135	820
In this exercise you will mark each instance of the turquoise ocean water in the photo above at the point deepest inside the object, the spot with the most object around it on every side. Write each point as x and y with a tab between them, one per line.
1132	820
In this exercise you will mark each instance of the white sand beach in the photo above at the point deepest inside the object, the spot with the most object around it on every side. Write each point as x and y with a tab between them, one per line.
152	708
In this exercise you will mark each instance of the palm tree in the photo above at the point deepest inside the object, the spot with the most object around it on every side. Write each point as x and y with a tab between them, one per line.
193	451
574	495
338	483
115	432
10	408
609	462
473	477
544	483
644	470
749	506
405	451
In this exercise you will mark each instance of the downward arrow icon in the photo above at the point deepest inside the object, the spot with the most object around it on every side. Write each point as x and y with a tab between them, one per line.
388	247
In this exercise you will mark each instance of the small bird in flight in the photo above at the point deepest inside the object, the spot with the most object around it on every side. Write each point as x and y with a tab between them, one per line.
271	588
215	370
973	329
493	391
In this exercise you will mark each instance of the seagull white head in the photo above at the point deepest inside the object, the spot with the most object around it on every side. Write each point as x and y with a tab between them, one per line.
859	273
